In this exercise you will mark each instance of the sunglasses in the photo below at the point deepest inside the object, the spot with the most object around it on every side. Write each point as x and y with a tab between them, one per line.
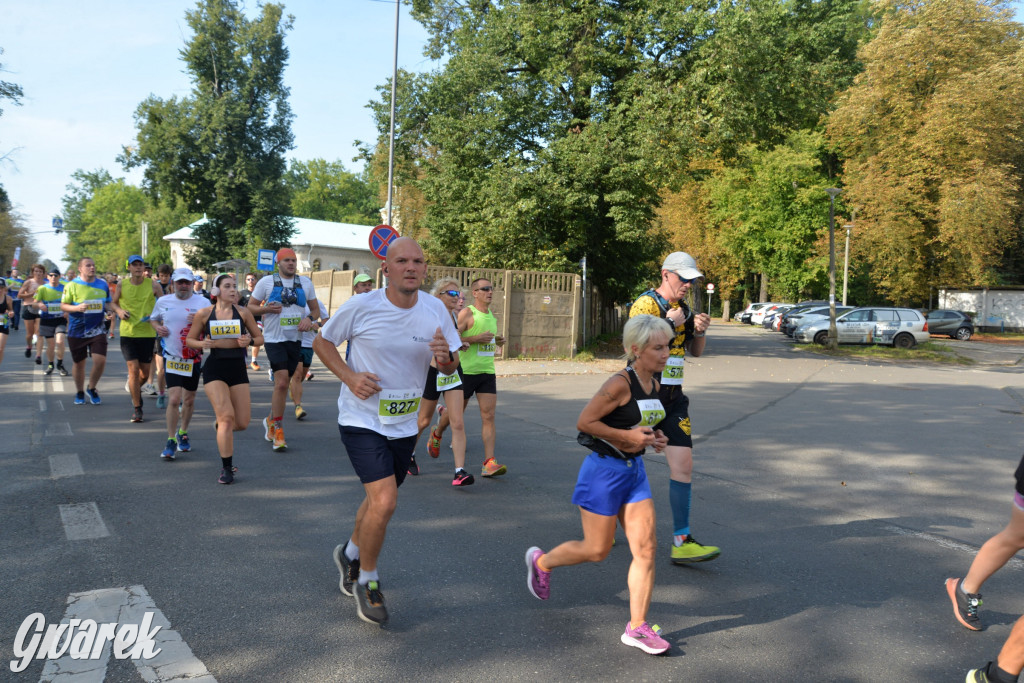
688	281
484	289
452	292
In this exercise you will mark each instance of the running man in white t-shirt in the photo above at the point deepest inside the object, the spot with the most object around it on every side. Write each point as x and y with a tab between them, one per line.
393	333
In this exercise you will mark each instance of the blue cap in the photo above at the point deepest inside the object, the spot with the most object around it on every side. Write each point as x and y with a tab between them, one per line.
135	257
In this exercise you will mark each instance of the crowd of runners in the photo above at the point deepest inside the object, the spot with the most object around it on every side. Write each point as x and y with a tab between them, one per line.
411	355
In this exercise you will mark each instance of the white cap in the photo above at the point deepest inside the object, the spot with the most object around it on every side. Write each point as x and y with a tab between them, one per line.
182	274
683	265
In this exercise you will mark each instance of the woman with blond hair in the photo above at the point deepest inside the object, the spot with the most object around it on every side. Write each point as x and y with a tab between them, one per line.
439	384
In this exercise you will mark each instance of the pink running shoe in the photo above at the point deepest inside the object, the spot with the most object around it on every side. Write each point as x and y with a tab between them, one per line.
537	580
646	638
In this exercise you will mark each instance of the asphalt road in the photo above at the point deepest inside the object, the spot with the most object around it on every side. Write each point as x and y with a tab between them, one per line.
842	493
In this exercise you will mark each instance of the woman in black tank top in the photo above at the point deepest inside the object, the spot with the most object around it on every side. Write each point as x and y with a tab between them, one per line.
618	425
225	330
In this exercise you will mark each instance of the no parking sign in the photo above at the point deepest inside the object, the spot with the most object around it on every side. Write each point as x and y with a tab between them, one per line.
380	238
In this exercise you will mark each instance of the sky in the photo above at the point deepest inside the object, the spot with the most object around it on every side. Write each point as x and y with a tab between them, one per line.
85	67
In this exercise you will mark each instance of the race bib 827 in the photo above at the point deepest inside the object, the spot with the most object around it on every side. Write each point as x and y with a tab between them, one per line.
397	405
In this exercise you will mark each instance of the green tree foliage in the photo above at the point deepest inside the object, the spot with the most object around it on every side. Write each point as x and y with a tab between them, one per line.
111	226
9	91
13	234
82	188
324	190
548	131
221	150
933	136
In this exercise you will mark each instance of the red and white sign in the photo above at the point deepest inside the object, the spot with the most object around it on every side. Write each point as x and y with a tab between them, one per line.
711	288
380	238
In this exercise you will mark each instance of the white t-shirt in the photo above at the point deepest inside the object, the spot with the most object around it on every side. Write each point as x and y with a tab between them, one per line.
394	344
285	325
309	336
172	312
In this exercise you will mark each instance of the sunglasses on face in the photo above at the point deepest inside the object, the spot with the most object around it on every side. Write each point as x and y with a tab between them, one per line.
687	281
484	289
452	292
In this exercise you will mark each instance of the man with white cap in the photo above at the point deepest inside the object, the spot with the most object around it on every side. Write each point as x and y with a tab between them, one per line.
172	319
679	273
282	299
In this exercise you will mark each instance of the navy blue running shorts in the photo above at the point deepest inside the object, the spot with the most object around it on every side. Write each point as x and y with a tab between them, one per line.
375	456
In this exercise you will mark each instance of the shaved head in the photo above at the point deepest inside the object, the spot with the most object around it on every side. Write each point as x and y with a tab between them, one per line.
405	267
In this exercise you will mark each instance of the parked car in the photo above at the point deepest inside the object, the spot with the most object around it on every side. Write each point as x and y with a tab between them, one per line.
771	317
956	324
744	316
810	314
757	317
900	327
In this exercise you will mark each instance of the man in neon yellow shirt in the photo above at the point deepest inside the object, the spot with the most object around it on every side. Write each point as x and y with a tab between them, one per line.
132	302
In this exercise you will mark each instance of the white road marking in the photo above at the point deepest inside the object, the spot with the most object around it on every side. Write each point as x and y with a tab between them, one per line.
65	465
175	661
58	429
60	404
82	521
1014	563
42	405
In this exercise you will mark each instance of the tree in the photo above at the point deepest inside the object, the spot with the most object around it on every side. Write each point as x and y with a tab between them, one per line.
14	234
932	138
9	91
324	190
222	149
84	186
111	226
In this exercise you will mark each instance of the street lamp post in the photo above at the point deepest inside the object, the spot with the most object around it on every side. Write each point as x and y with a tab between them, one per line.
833	337
846	253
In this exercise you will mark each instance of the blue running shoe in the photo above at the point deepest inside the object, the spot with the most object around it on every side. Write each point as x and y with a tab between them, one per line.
93	397
183	445
80	398
168	452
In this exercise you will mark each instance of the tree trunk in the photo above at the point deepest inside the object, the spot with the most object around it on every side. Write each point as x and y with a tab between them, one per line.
764	288
725	310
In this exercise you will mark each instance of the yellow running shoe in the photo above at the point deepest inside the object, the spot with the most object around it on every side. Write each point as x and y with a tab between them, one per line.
269	427
691	551
491	468
299	413
279	444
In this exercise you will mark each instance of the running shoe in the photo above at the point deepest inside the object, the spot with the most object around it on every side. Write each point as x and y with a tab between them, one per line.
491	468
137	415
168	452
434	444
691	551
537	580
270	374
94	397
127	386
462	478
161	401
254	365
268	428
299	413
349	569
183	443
370	603
39	360
62	370
80	398
49	369
226	476
149	389
965	605
309	376
647	638
279	444
28	352
414	469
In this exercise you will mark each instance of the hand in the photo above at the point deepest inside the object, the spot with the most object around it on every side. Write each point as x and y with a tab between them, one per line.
638	438
499	340
82	308
274	307
675	316
701	322
207	343
305	325
123	314
363	385
243	341
439	347
162	331
660	441
189	318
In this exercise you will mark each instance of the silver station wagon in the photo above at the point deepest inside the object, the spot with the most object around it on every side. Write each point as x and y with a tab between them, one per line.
900	327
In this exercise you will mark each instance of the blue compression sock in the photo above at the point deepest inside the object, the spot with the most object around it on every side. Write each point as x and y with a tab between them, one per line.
679	499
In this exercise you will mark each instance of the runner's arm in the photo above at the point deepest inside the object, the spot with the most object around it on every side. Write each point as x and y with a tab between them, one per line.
250	324
613	394
362	384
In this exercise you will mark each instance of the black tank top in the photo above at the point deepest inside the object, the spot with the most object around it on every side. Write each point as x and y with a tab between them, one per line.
641	409
229	328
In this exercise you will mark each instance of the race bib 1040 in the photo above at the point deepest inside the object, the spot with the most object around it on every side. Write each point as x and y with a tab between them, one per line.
397	405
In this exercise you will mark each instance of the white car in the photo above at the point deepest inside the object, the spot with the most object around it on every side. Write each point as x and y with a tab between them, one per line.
901	327
757	317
